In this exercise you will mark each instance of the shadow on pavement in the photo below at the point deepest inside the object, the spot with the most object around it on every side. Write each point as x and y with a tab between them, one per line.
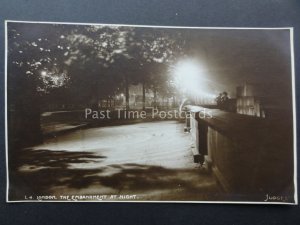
47	172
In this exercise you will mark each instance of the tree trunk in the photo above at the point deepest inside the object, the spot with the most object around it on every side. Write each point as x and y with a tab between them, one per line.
174	102
144	95
127	92
167	103
155	98
95	95
24	111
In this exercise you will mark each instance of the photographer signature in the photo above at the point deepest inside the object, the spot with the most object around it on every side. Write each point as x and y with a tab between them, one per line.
275	198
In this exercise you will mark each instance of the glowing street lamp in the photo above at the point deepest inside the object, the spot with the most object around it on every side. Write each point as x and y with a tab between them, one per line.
43	73
190	78
187	75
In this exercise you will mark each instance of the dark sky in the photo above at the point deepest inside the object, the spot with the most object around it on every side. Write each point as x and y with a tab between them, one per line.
234	57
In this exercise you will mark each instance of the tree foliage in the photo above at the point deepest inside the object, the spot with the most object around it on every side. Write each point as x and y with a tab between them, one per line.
88	62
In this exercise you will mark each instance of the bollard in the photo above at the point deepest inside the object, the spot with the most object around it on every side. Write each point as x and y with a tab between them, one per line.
187	127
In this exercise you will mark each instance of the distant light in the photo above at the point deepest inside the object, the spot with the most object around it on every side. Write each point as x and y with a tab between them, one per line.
43	73
190	78
188	75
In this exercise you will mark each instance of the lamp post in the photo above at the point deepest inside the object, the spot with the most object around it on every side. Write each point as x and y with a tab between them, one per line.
187	75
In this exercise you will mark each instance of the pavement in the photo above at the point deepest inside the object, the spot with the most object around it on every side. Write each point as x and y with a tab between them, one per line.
143	161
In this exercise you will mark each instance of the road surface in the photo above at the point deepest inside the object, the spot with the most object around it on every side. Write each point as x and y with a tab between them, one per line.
144	161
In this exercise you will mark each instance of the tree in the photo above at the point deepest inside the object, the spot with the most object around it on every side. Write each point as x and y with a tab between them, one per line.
152	51
74	63
34	68
96	49
116	57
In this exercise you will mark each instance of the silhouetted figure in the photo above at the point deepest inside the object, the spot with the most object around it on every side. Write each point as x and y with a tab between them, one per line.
224	96
223	101
218	100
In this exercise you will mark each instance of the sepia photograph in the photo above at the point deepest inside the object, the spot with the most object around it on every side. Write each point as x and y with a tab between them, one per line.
136	113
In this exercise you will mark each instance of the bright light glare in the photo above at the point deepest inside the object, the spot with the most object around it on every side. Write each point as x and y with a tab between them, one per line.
191	79
43	73
188	76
